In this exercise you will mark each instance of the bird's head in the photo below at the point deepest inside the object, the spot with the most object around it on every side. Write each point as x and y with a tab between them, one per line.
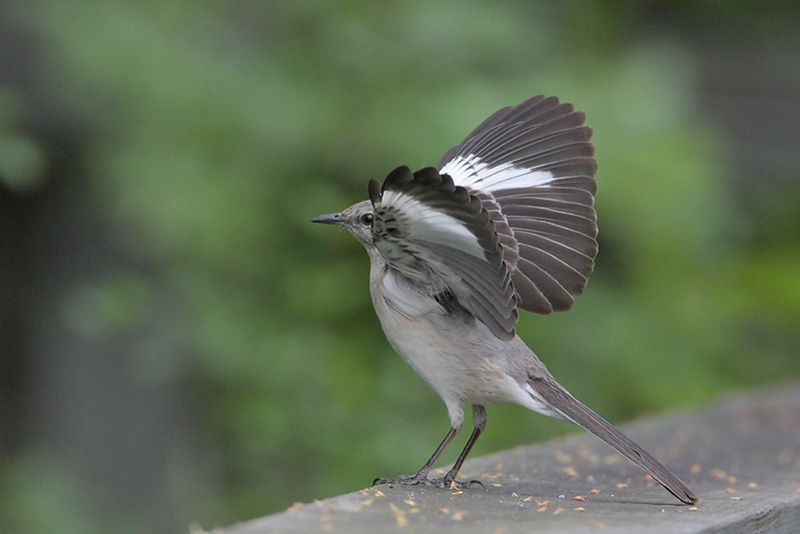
357	219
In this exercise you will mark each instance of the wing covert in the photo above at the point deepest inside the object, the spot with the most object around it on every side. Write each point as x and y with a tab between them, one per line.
439	234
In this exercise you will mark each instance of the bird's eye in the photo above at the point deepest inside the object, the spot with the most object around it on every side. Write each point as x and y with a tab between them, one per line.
366	219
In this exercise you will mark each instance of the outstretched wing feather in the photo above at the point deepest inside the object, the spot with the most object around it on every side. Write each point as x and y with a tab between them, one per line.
533	168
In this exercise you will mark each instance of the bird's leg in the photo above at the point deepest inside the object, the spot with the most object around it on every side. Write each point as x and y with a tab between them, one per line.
449	480
422	475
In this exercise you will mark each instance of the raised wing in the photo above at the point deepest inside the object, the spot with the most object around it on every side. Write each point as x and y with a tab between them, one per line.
532	167
441	235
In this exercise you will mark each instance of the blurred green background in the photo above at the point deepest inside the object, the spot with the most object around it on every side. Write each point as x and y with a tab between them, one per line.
181	347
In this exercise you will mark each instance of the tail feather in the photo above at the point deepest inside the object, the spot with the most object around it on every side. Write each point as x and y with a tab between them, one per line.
575	411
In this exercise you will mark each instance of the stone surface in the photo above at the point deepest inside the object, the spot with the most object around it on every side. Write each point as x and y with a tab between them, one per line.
741	456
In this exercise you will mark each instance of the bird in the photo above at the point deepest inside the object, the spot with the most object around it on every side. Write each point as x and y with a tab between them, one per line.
505	222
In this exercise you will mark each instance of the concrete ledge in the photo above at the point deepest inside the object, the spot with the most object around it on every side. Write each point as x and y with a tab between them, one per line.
741	456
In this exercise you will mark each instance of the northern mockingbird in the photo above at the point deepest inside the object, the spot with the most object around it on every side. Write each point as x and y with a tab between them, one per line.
506	221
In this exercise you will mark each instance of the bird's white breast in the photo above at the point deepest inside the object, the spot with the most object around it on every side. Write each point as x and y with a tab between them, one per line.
447	351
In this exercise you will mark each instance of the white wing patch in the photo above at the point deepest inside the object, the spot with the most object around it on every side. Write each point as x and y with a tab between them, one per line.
470	171
432	225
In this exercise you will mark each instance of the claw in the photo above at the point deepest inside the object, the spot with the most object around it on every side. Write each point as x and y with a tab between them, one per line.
478	482
405	480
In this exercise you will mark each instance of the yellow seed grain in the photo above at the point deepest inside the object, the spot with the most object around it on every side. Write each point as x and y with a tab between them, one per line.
399	515
562	457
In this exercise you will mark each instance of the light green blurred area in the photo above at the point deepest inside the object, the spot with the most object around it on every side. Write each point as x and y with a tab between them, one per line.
204	136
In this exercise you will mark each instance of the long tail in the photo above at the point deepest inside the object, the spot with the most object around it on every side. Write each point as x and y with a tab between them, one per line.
574	410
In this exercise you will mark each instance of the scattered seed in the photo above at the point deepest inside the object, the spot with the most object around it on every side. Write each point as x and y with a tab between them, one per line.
693	508
594	491
579	498
620	485
457	493
297	506
562	457
444	511
399	515
600	525
413	510
695	469
587	455
570	472
514	494
379	493
458	515
409	502
718	473
528	498
497	485
647	476
730	490
542	505
732	479
579	509
752	485
737	498
559	510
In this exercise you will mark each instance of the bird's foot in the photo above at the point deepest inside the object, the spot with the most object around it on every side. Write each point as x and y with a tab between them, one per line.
445	482
448	482
403	480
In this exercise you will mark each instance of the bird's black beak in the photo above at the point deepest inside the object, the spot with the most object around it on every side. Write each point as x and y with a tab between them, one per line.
328	218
